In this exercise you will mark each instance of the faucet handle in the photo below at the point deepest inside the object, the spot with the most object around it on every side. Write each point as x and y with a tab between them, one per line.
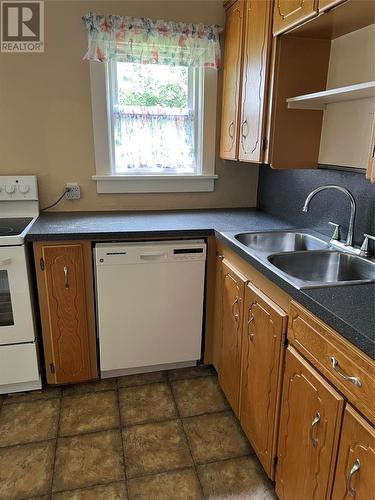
364	252
336	232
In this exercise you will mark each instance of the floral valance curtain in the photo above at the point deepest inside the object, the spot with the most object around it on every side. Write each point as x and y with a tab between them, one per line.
141	40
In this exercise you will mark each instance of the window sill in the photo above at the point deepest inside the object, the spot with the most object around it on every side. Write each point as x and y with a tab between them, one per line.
154	183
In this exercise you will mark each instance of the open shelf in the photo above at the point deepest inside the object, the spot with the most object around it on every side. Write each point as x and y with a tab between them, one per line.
318	100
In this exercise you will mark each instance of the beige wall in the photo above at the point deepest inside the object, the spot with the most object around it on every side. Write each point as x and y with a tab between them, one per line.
45	112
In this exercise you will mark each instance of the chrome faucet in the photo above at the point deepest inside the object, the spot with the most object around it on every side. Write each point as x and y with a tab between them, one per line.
349	238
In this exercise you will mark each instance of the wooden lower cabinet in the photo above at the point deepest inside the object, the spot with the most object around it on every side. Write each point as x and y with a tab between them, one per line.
309	431
263	337
66	298
355	470
232	297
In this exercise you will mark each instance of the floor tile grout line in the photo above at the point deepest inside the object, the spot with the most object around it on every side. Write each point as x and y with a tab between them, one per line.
80	488
28	443
161	471
55	451
36	400
219	460
122	439
187	440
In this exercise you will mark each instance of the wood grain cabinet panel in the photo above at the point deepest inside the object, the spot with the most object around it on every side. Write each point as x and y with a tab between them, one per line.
264	331
231	80
311	415
233	289
290	13
256	56
324	5
65	284
355	470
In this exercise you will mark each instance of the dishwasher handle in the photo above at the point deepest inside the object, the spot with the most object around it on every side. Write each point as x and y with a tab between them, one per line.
152	255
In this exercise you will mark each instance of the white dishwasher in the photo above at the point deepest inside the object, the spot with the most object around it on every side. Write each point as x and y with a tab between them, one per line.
149	299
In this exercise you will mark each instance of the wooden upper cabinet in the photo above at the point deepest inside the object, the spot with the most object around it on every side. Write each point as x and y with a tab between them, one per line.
290	13
309	430
66	297
256	55
232	294
263	334
231	80
355	470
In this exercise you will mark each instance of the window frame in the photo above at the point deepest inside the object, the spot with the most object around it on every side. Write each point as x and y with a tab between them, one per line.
203	99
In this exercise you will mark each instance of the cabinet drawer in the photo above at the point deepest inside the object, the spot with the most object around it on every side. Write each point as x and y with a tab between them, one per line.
350	370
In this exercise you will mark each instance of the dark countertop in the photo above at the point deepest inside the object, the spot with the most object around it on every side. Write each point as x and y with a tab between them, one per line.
349	309
112	225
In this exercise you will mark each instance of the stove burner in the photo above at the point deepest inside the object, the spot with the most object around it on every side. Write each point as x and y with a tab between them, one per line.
12	226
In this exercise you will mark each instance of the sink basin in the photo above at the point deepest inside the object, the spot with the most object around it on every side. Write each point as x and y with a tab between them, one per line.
280	241
325	267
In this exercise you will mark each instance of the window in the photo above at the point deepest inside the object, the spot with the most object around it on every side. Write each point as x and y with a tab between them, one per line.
154	115
154	127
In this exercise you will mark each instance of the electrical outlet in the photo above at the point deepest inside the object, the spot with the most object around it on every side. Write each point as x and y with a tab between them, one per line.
74	192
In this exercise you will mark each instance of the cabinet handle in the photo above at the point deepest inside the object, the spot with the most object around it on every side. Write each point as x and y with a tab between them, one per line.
231	128
219	256
235	316
249	321
242	129
354	380
353	470
66	278
313	424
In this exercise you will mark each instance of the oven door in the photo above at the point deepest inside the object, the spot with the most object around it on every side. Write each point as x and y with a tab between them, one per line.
16	318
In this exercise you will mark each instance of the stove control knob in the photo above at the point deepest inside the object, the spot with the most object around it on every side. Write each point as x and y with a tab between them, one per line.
10	188
23	188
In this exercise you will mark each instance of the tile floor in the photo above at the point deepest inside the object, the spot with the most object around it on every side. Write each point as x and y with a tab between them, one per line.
157	436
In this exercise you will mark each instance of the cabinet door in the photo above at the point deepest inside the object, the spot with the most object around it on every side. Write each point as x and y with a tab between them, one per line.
311	414
355	471
256	55
262	353
290	13
65	284
233	286
231	80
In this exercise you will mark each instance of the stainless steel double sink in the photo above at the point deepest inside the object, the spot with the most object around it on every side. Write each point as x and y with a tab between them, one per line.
306	260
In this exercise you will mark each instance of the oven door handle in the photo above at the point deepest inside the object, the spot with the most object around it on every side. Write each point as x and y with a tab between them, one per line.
5	262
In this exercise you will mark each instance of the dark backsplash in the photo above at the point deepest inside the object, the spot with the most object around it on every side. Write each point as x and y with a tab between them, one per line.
282	193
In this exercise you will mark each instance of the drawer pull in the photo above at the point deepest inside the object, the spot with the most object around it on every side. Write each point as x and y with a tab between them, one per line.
236	316
231	130
354	380
353	470
313	424
66	278
250	320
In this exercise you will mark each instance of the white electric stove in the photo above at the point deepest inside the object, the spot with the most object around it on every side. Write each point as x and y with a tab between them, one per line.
19	208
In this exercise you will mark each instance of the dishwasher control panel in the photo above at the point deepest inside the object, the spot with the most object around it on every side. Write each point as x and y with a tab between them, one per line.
107	254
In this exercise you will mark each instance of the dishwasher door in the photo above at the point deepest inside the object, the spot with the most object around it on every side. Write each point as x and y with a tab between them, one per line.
149	304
